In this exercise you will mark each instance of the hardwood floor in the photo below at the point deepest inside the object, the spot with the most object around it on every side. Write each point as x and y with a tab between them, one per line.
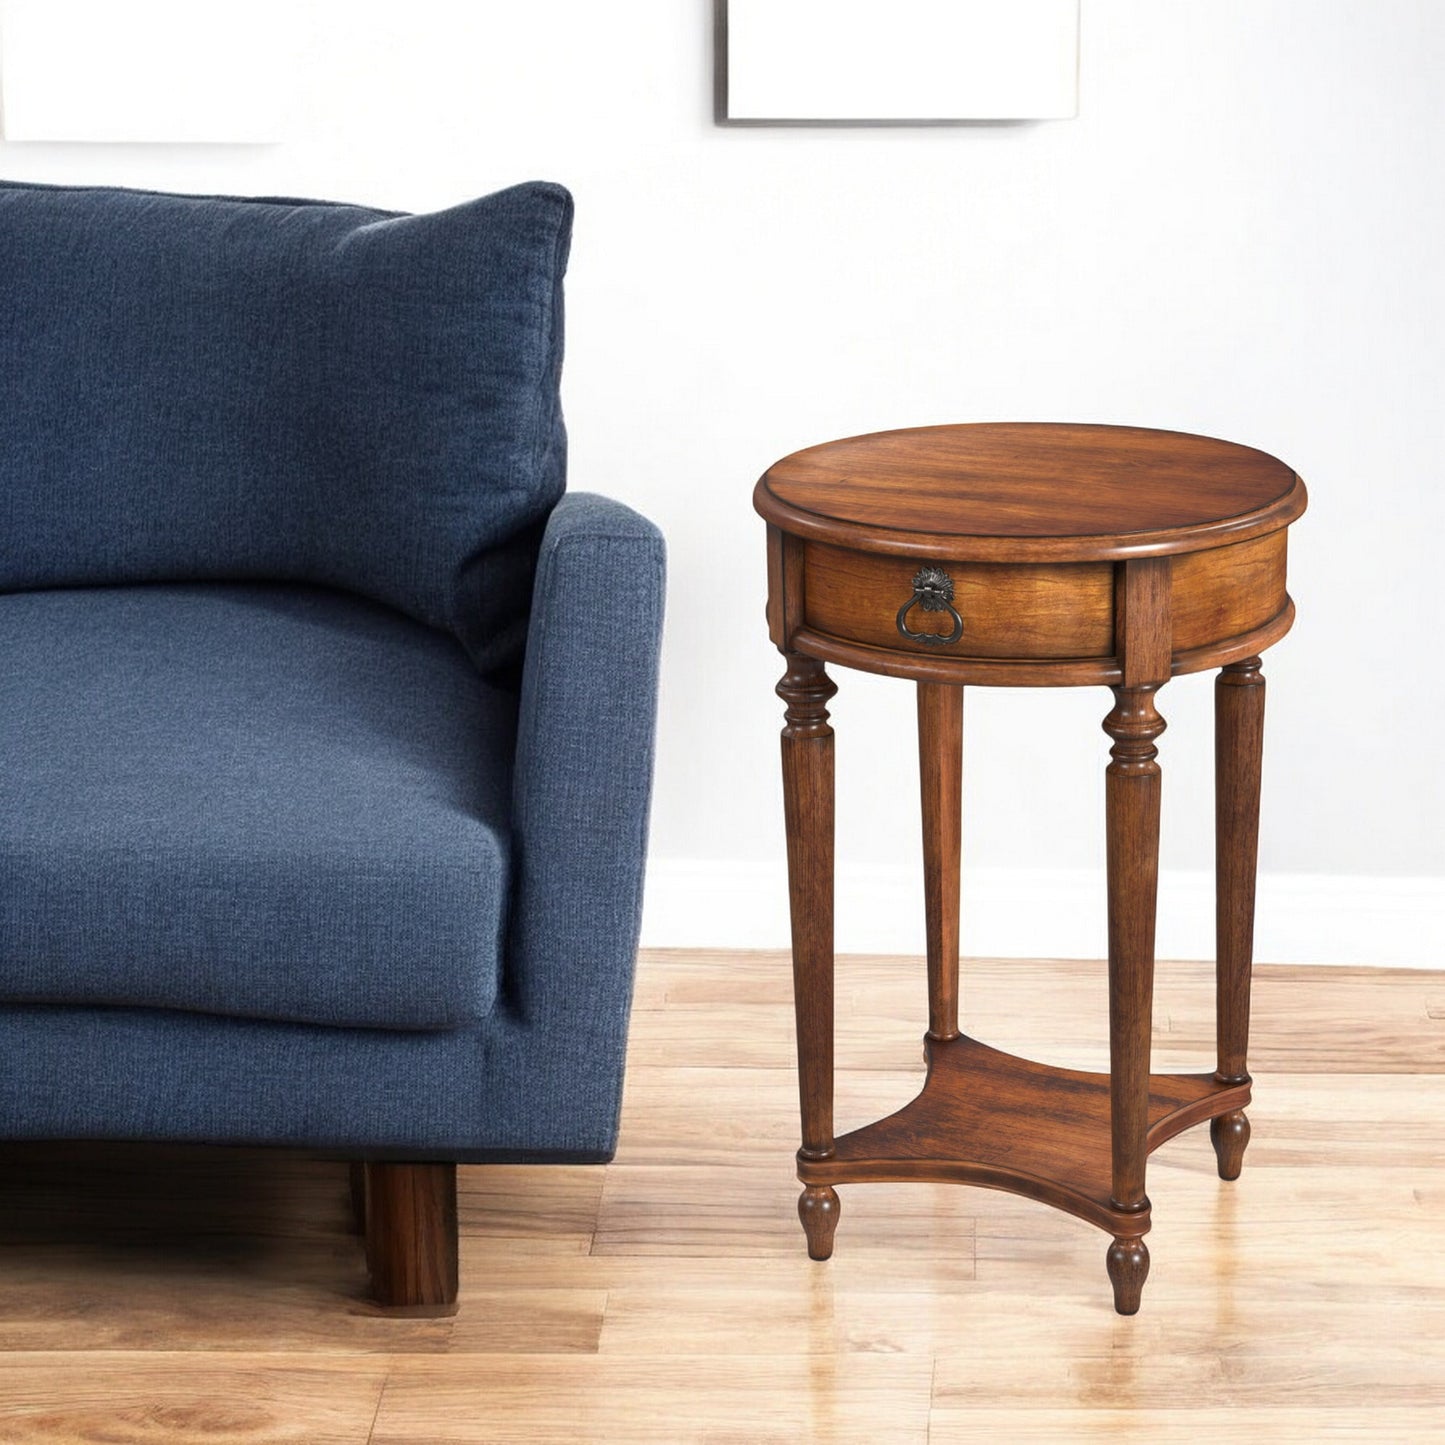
205	1296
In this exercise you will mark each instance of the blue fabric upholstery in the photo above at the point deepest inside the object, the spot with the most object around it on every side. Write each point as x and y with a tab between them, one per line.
201	388
272	802
582	788
541	1076
326	718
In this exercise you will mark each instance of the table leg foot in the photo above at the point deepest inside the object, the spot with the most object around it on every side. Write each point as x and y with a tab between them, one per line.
1229	1133
1128	1264
818	1209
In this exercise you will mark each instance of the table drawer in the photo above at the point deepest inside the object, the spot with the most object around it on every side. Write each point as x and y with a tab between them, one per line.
1060	610
1227	591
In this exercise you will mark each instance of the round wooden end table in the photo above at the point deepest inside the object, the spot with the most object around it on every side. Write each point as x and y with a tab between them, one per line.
1028	556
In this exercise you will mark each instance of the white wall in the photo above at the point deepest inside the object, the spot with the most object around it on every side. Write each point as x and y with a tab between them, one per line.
1239	235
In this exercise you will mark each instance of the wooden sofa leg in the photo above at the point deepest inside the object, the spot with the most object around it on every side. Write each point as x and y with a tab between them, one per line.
358	1196
411	1236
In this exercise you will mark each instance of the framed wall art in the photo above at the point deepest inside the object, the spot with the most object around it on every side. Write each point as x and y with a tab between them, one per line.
901	60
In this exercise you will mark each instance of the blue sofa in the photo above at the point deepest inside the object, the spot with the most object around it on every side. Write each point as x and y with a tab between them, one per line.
326	714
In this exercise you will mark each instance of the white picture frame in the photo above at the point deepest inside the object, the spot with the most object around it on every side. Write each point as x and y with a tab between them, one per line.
902	60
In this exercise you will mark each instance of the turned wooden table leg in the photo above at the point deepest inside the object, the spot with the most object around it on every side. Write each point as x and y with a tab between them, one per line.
1238	754
411	1236
1132	806
808	810
940	769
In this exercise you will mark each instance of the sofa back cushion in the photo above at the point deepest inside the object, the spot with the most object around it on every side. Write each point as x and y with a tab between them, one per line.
202	388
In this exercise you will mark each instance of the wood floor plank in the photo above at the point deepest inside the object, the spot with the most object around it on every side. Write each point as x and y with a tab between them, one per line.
741	1116
74	1300
1299	1425
672	1210
555	1207
658	1400
136	1399
499	1265
1324	1376
1304	1019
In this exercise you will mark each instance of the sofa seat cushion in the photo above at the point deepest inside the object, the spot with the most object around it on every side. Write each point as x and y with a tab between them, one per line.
262	801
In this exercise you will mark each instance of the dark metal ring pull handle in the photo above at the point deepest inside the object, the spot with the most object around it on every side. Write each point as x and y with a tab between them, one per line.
933	592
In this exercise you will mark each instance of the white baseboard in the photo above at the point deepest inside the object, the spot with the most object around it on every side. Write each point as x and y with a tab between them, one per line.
1051	913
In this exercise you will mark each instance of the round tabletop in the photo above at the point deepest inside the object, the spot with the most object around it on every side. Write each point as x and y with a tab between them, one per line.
1030	491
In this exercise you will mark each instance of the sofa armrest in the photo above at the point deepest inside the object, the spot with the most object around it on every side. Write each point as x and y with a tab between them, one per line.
583	778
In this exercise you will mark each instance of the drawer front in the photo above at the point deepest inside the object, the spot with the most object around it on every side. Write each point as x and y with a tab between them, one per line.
1062	610
1227	591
